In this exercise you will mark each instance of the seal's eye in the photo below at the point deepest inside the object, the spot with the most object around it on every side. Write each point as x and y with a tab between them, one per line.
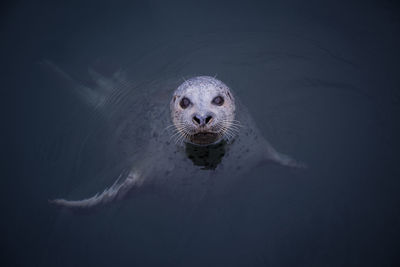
218	100
184	102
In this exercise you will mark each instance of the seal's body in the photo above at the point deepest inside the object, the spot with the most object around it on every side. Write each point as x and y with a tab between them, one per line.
208	128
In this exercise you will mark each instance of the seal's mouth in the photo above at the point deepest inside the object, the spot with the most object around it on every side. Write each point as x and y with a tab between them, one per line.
204	138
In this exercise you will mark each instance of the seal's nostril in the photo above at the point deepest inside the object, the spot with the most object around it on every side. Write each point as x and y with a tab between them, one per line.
196	119
201	120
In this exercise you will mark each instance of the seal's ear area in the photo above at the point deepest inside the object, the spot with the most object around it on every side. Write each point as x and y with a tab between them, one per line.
174	99
229	95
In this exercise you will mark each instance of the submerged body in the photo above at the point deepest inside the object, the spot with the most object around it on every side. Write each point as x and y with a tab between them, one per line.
203	131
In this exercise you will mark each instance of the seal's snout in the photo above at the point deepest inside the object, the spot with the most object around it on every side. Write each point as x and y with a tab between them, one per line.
201	121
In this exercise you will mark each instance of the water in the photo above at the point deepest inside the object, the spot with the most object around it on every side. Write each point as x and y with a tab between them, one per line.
320	80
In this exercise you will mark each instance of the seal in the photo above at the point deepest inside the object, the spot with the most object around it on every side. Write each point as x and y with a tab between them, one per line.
209	130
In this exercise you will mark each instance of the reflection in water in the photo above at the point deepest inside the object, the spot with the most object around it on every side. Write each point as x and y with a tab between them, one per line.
208	157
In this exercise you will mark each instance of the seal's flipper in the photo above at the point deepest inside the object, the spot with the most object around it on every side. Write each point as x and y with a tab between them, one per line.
101	94
87	95
116	192
287	161
271	155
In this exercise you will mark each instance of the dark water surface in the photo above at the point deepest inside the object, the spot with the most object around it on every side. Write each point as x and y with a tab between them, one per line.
321	80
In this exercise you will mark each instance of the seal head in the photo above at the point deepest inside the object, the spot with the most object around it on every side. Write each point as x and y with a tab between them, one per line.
203	111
